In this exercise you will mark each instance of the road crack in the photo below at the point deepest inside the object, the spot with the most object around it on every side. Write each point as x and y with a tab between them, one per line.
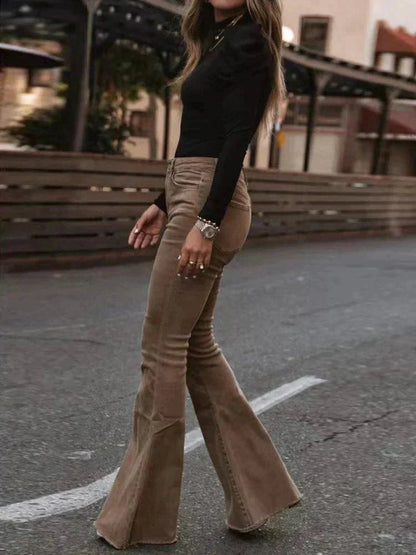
351	429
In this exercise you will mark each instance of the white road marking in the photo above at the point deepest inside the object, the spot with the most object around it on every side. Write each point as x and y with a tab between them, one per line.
77	498
79	455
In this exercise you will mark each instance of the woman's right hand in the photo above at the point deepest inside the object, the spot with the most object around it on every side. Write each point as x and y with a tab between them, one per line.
149	227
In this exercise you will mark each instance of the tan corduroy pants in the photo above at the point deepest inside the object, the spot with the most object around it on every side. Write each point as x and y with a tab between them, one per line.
178	351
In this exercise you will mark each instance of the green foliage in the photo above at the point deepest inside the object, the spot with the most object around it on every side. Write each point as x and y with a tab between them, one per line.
105	132
123	71
44	129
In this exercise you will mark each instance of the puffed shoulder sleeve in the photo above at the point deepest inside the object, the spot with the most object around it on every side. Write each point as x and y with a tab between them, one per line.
246	70
244	49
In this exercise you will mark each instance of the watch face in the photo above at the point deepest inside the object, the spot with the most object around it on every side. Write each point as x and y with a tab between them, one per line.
209	233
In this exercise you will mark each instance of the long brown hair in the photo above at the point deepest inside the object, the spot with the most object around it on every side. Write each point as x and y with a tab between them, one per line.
268	13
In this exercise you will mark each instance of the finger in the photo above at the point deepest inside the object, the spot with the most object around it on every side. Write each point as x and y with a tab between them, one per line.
135	231
207	260
189	266
197	270
183	259
139	239
201	265
155	239
132	237
146	240
185	270
192	265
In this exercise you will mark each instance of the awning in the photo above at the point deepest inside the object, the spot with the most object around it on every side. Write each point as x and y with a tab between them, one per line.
401	122
12	55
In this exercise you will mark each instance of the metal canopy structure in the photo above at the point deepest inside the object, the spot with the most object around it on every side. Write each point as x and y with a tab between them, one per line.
149	22
316	75
90	26
345	78
93	25
139	22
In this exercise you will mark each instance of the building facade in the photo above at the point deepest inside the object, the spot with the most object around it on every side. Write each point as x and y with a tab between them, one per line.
333	28
368	32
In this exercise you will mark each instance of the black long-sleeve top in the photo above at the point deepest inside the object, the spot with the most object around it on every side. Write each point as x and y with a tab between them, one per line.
223	101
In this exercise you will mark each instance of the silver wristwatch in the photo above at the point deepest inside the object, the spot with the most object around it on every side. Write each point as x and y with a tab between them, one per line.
208	230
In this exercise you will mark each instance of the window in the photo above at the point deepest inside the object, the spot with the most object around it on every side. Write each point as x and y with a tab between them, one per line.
42	77
330	112
140	123
314	33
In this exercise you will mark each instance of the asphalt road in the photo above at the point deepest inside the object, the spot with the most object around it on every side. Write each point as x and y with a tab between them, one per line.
343	311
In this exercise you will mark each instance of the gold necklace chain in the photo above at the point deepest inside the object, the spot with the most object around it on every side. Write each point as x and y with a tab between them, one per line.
222	31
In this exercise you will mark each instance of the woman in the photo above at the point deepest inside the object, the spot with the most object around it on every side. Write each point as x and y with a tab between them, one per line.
230	84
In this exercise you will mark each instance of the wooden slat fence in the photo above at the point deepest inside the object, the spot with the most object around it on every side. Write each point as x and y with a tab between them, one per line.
56	204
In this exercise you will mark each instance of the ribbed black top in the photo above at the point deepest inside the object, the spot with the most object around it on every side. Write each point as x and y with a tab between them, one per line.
223	101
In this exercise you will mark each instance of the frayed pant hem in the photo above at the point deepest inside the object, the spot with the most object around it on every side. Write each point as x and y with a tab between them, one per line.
264	519
145	541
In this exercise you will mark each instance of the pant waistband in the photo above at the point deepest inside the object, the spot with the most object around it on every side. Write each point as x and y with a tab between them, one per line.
199	161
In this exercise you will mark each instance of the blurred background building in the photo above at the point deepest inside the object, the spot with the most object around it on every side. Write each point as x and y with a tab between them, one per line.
377	33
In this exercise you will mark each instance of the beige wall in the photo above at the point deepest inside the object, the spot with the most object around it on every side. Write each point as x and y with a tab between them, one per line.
363	156
348	31
325	153
396	12
401	160
16	102
354	22
139	147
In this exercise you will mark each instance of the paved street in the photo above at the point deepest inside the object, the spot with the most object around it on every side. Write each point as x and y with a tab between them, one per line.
343	311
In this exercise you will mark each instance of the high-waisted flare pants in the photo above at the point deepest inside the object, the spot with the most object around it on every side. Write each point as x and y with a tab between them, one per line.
179	351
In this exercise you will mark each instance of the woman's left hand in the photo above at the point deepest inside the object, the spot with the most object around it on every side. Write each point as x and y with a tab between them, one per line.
196	249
